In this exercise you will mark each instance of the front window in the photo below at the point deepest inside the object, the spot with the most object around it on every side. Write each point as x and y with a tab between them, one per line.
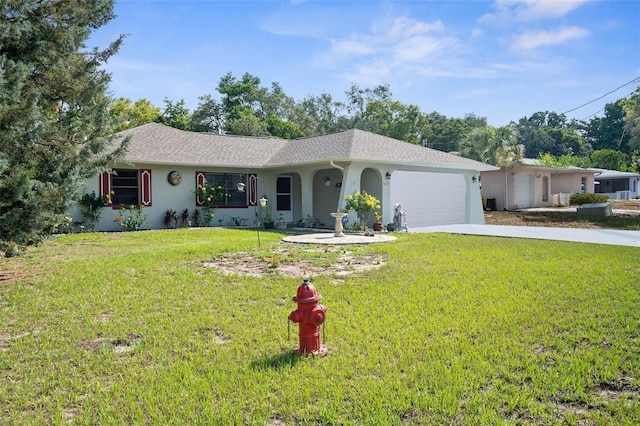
229	184
125	187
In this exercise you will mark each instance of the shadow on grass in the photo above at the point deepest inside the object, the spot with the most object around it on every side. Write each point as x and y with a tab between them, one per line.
285	359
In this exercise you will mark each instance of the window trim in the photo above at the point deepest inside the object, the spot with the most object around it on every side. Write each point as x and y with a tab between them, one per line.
251	180
143	185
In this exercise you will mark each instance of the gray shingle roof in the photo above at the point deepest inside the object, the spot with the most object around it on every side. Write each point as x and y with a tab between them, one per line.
160	144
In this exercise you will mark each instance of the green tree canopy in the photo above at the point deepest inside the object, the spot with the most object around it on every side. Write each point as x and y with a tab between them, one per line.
175	115
54	112
128	114
610	159
631	107
208	116
549	132
446	134
394	119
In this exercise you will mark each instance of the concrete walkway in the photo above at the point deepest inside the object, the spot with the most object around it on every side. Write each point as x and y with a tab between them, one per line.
579	235
330	238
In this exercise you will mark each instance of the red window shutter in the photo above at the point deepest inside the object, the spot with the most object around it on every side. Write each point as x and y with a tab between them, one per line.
200	180
105	184
253	189
145	187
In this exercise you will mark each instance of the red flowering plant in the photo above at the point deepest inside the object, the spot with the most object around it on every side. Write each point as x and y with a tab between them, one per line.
131	219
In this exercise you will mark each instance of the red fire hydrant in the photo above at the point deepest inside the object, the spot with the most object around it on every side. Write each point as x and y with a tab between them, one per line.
310	315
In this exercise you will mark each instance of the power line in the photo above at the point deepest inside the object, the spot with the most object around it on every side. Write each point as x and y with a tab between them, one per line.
598	112
592	115
606	94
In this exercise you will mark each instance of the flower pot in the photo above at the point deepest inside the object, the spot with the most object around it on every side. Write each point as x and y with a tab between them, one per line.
268	225
377	226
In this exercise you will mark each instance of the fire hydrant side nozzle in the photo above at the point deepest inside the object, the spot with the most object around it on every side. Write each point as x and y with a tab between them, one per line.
310	315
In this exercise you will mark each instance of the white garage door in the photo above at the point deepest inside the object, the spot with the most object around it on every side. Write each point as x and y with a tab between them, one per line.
521	188
429	198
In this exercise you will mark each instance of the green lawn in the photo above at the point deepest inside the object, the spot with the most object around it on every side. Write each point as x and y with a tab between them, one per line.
130	328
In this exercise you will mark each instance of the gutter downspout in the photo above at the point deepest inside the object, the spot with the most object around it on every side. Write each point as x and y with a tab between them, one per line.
337	167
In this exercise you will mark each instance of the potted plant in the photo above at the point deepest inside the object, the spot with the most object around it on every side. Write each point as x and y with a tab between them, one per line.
267	222
170	219
308	221
327	181
280	223
377	224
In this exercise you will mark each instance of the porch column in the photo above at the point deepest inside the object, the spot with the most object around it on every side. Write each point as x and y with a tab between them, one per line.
350	182
387	208
473	201
306	194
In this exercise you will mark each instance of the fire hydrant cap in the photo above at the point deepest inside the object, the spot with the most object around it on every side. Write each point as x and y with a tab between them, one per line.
306	293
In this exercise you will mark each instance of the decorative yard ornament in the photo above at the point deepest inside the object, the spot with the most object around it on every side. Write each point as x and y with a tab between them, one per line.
399	218
310	315
174	178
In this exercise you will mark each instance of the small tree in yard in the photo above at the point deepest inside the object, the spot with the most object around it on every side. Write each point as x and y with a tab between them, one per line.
210	195
54	113
362	203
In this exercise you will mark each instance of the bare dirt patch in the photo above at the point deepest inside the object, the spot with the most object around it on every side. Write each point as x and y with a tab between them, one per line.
297	260
127	344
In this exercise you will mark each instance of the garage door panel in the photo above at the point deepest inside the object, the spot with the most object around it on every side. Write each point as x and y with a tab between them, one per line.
521	190
429	199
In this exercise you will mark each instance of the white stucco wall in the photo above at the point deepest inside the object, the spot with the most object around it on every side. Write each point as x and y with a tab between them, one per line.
166	196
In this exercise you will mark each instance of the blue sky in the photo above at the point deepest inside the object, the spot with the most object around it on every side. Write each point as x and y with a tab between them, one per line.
502	59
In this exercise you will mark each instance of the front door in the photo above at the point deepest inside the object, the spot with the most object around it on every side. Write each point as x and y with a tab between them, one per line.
283	198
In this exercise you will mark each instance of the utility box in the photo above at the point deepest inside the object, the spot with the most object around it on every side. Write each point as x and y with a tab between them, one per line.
595	209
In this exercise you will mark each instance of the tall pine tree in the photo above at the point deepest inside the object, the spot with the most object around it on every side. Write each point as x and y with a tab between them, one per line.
54	116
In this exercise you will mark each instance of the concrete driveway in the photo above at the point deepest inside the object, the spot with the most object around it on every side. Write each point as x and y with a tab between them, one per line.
594	236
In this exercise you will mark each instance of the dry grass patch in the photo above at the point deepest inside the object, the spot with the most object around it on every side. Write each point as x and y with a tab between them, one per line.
297	260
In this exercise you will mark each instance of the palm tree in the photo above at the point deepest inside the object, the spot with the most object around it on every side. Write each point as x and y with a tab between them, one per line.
493	146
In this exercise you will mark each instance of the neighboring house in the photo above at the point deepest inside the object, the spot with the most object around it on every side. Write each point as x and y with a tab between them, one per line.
529	184
618	185
301	178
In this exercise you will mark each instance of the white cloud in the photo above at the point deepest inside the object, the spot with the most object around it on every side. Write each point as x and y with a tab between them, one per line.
352	47
407	27
534	39
419	48
530	10
390	47
476	32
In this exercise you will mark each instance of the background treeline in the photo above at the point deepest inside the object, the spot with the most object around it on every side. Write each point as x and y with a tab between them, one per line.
244	107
